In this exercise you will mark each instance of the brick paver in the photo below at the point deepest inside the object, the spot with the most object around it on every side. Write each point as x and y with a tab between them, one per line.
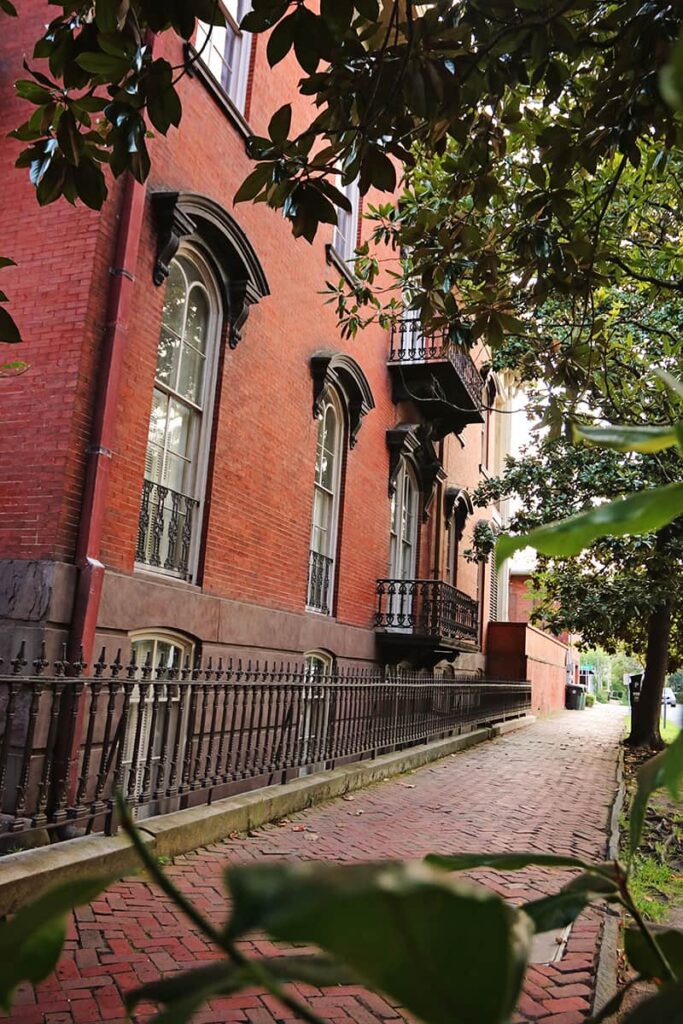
548	788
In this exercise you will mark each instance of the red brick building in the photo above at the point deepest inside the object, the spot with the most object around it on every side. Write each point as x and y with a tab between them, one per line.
195	460
519	650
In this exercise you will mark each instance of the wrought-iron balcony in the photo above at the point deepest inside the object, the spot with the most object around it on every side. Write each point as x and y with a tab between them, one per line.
426	613
319	579
165	529
440	376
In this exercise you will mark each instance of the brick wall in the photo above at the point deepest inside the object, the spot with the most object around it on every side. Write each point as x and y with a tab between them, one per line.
262	458
516	650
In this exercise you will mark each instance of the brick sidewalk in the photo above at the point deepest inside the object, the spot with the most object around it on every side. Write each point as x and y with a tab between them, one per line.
548	788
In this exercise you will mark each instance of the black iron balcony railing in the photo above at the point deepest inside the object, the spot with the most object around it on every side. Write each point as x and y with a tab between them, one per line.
209	729
165	529
319	580
427	609
409	344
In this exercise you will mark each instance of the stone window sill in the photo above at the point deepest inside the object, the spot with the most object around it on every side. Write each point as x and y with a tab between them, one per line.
340	264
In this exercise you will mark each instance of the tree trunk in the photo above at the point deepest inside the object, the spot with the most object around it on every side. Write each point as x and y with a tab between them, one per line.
646	711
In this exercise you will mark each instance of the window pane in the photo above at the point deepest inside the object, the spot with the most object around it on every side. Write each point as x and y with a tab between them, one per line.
155	439
167	358
141	648
325	470
179	430
197	322
174	299
326	449
191	377
176	475
329	429
236	8
322	507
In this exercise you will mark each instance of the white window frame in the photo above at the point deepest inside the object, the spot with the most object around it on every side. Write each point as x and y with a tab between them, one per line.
186	650
452	550
332	401
200	458
344	242
405	475
314	719
403	603
318	663
212	59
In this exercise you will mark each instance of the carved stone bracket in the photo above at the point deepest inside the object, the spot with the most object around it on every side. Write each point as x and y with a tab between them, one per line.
172	225
338	370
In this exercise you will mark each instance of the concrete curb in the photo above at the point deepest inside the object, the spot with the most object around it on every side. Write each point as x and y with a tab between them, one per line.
606	974
27	874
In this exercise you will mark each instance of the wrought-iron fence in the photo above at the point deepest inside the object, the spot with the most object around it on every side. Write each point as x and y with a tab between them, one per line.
165	529
410	344
429	608
175	737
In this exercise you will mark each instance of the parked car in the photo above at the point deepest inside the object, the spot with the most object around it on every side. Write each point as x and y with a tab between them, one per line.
669	697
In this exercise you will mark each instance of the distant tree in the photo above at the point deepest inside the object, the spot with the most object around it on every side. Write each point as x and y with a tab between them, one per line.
621	593
675	681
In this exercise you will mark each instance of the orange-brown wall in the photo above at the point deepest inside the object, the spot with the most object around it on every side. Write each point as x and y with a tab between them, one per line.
516	650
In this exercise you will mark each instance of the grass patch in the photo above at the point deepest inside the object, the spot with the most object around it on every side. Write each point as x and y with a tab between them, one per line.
669	732
655	887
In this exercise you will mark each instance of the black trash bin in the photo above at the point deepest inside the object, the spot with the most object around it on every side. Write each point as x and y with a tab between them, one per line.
575	697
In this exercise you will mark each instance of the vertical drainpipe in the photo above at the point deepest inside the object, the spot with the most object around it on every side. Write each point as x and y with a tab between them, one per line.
89	564
99	451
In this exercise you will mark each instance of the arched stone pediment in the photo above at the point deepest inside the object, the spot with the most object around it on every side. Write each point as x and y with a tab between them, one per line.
238	269
341	371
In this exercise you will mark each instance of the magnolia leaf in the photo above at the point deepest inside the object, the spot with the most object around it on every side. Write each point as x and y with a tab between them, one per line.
671	77
31	941
397	925
641	956
664	1008
279	124
564	907
628	439
643	512
671	382
9	332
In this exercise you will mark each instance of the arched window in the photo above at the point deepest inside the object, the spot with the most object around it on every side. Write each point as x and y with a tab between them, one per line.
403	547
156	715
404	511
180	421
318	663
323	548
458	506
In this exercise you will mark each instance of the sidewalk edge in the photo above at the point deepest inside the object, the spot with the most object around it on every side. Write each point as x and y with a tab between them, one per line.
606	974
